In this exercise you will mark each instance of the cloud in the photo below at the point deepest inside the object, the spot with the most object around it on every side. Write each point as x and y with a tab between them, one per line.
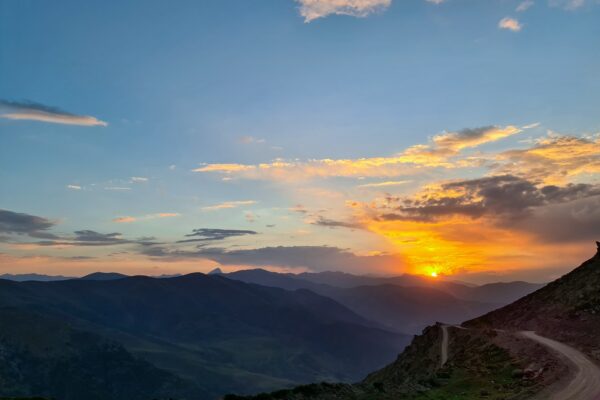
503	197
437	154
317	258
128	219
250	140
117	188
208	234
553	159
74	187
138	179
436	1
525	5
228	204
384	184
96	237
166	215
125	220
25	224
330	223
313	9
567	4
511	24
567	213
39	112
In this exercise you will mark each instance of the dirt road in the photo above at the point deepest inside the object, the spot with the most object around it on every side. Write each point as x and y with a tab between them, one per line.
584	385
444	349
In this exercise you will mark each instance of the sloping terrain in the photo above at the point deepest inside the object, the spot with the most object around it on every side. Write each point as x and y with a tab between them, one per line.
220	334
567	310
495	356
43	356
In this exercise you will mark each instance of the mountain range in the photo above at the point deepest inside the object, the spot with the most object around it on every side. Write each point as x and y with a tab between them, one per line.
200	336
213	333
542	346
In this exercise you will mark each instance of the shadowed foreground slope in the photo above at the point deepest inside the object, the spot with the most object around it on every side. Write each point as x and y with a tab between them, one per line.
214	334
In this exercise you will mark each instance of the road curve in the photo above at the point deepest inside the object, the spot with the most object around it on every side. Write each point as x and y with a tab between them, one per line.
444	349
585	385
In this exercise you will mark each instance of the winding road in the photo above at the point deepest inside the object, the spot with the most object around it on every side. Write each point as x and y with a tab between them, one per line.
585	381
585	385
444	350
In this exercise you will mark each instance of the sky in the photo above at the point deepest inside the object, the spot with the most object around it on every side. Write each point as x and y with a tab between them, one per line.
451	137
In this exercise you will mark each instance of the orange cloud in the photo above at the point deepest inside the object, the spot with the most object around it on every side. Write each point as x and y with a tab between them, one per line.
228	204
554	159
124	220
439	153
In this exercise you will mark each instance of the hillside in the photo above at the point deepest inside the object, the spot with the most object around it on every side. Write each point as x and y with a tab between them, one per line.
44	356
567	310
221	334
497	355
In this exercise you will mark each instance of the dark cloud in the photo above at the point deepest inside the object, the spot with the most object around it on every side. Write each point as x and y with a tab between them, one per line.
207	234
317	258
505	197
331	223
574	221
25	224
555	213
28	110
93	236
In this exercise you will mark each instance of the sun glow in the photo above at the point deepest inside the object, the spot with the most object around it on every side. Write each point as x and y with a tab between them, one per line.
434	274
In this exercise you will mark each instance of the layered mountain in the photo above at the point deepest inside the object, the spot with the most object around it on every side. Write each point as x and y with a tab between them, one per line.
215	334
543	346
405	304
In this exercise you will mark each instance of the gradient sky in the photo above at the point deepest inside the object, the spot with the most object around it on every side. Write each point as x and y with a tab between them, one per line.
372	136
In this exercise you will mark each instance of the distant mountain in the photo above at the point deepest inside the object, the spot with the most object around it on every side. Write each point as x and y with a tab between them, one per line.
496	356
397	306
217	334
103	276
34	277
498	293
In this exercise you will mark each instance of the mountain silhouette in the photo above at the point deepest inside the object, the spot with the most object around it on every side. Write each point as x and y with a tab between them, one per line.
217	334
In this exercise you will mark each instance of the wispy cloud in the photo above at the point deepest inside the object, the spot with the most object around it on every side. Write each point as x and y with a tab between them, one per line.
42	113
74	187
510	24
124	220
567	4
211	234
314	9
383	184
229	204
138	179
251	139
117	188
437	153
129	219
525	5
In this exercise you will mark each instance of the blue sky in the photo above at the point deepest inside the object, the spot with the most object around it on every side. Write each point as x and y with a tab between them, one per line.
181	85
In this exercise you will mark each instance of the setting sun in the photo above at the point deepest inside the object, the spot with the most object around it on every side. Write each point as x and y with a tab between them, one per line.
434	274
